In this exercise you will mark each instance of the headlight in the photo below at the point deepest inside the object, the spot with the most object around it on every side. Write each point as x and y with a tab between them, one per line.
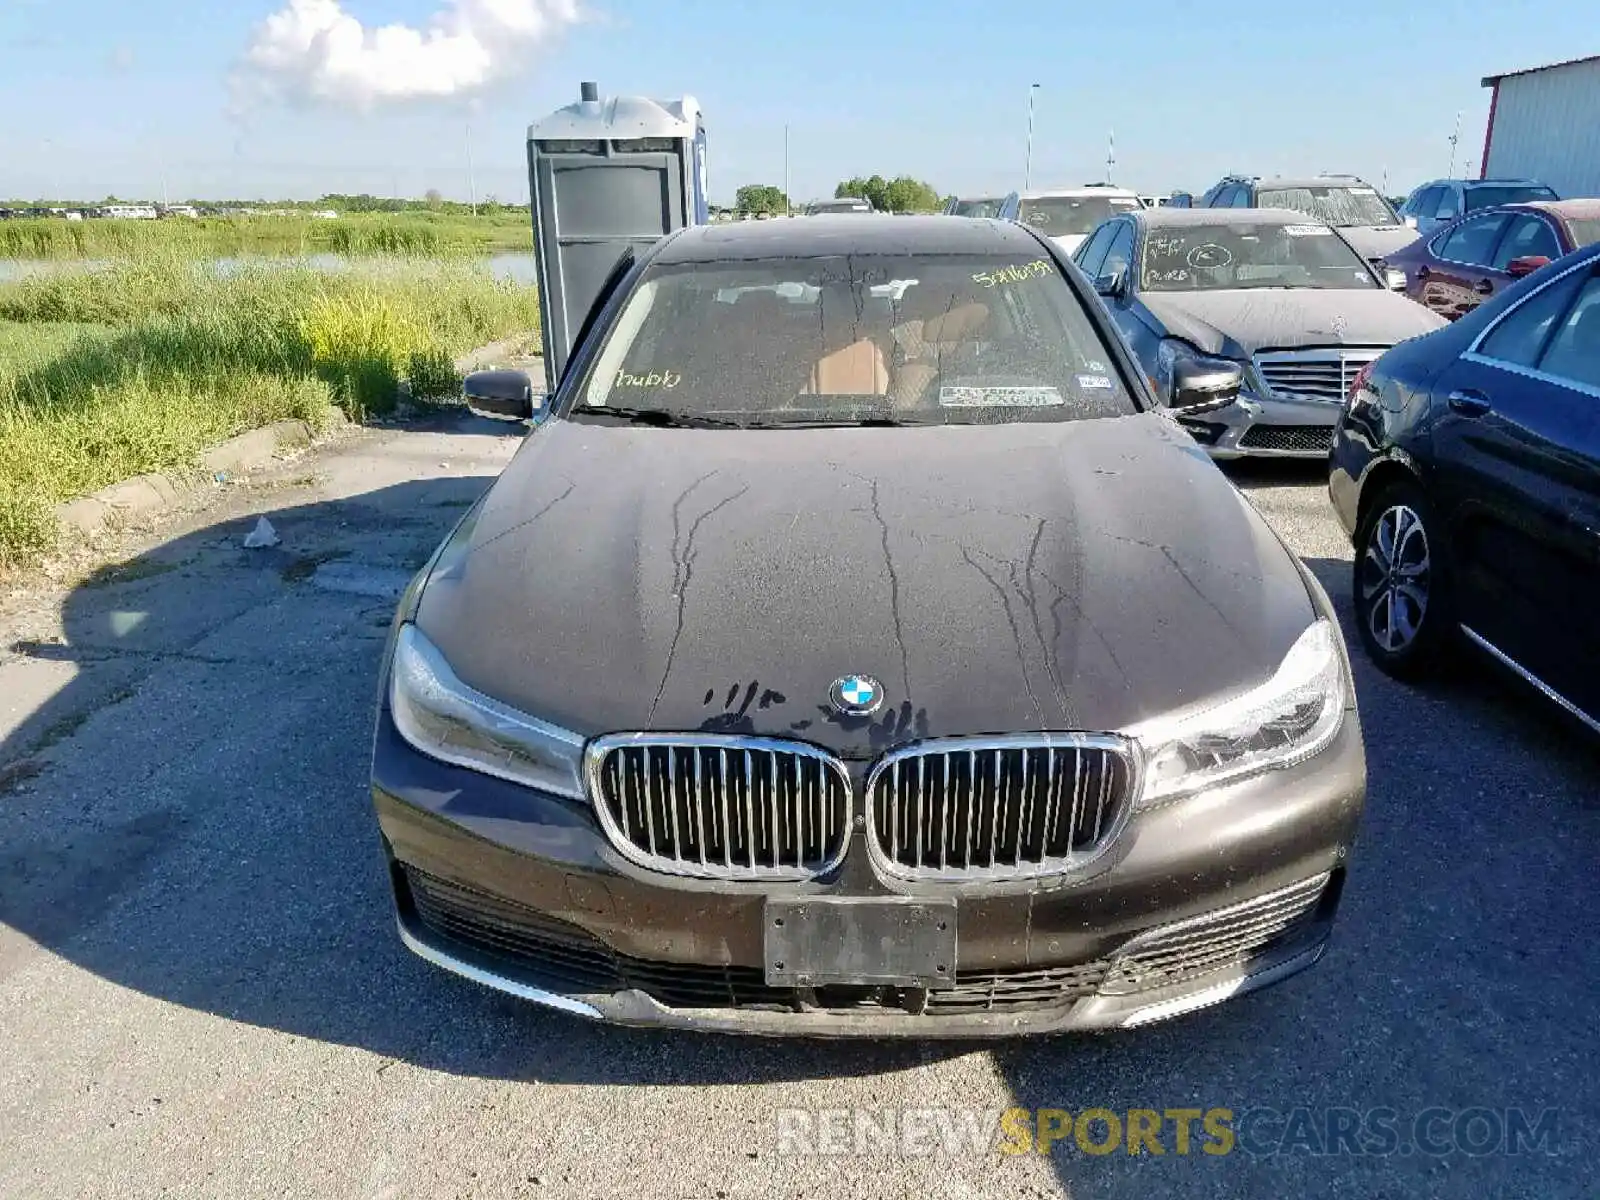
1286	720
445	719
1171	350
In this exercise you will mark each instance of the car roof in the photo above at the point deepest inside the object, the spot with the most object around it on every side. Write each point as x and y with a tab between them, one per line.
1169	217
1292	181
1089	190
1567	210
1495	181
826	236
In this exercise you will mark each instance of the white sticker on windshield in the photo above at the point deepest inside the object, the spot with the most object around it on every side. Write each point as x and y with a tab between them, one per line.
999	397
1094	381
1363	192
1307	230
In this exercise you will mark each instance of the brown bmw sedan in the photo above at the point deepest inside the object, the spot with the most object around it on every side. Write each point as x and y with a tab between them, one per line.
856	647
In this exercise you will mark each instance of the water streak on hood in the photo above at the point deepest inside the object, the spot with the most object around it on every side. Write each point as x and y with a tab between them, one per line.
1081	575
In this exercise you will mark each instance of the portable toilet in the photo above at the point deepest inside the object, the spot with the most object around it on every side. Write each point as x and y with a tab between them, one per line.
604	176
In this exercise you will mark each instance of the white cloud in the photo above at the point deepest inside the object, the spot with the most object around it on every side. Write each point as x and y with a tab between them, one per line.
313	51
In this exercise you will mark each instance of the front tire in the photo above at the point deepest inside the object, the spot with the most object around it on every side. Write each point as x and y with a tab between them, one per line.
1401	583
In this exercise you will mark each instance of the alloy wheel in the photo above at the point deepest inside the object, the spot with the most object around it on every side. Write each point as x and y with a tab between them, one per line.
1395	578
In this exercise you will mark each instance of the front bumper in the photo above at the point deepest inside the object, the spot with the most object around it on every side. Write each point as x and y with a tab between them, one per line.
1198	900
1254	427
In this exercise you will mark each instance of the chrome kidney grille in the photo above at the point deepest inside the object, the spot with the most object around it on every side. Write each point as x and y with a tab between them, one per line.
1318	373
721	806
999	808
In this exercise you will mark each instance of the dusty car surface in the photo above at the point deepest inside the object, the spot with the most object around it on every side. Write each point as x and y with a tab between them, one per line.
1347	203
1068	215
857	648
1268	292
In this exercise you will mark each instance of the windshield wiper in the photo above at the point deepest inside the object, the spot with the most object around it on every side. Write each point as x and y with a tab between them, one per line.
662	418
847	423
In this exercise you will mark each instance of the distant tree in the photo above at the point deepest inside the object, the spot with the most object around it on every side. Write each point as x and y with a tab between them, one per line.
901	194
434	197
760	198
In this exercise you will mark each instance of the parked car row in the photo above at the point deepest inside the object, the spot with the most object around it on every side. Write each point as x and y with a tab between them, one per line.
1292	282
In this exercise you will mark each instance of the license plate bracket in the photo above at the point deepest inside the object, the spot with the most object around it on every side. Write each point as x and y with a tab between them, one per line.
810	942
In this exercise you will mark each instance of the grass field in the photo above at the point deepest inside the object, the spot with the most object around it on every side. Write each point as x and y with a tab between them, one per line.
439	234
141	365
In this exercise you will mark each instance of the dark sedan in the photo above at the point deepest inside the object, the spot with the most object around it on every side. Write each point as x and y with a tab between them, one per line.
1467	469
857	648
1469	260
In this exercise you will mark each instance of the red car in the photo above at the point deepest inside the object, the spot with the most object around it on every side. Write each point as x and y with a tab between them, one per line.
1472	258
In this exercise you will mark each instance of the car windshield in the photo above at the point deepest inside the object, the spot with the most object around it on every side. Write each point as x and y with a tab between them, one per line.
1338	205
1585	231
1243	255
1055	216
942	339
1514	193
978	208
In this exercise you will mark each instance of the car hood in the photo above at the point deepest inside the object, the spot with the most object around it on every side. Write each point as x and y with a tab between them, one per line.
1375	241
1239	323
1081	575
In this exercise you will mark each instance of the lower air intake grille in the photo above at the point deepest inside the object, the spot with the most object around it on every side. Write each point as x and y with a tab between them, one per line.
561	957
1288	439
1213	940
721	807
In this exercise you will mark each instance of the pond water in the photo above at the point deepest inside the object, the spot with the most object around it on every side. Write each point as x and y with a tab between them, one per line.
516	266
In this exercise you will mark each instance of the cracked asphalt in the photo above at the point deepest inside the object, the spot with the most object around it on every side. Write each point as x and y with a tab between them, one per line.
201	993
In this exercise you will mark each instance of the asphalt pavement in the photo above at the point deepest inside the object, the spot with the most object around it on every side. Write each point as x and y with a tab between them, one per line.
201	993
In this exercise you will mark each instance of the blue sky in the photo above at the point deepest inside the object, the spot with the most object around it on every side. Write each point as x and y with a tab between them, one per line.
110	96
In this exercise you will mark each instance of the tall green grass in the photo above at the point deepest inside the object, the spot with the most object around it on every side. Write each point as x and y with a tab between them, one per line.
211	237
141	365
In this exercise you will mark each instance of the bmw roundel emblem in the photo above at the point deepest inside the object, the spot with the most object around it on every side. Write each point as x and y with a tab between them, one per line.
856	695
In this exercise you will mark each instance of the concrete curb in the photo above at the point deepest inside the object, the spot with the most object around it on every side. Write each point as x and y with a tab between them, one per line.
146	494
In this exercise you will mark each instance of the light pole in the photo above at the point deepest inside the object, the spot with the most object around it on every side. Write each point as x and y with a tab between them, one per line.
788	205
472	178
1027	171
1454	138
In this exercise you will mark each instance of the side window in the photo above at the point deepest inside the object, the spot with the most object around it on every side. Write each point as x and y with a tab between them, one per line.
1120	256
1527	236
1521	335
1449	204
1574	352
1213	198
1472	242
1093	252
1426	202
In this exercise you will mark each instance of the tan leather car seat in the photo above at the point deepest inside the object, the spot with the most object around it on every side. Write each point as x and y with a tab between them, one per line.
924	343
858	369
852	362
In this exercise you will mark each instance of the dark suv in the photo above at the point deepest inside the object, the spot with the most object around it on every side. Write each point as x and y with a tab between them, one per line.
1441	201
1347	202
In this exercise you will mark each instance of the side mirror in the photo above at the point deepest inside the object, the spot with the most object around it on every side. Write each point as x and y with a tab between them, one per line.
1114	285
1199	387
1518	267
501	395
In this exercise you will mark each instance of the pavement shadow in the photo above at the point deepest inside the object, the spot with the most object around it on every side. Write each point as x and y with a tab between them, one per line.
1457	979
184	811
